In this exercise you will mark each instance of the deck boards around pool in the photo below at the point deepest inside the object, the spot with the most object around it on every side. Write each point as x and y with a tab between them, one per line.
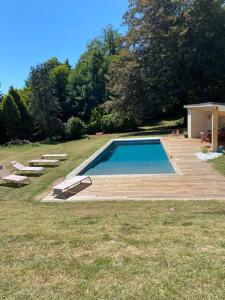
197	180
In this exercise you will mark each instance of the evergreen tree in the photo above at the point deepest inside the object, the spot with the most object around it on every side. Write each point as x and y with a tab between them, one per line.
44	106
1	94
26	120
2	127
11	118
60	76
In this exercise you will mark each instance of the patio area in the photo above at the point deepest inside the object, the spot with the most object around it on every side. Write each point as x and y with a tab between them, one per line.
195	180
207	119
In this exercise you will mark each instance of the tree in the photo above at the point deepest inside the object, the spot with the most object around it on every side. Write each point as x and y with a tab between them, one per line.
60	76
179	47
44	105
26	121
75	128
87	81
24	94
202	53
2	127
112	41
11	117
126	85
52	63
1	94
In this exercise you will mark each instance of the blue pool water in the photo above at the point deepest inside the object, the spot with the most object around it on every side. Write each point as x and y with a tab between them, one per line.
131	157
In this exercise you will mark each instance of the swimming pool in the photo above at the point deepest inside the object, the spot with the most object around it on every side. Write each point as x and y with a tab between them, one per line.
131	156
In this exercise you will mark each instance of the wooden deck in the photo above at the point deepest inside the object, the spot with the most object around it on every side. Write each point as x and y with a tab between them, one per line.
196	180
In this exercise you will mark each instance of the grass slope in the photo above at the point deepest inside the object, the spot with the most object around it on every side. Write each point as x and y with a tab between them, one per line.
105	250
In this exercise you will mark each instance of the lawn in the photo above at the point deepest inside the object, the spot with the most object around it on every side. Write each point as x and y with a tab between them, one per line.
105	250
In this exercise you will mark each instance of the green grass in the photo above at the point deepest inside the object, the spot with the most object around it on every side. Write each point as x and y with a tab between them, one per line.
78	151
219	164
105	250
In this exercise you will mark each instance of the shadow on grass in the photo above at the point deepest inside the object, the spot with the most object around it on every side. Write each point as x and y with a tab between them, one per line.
59	142
148	132
14	185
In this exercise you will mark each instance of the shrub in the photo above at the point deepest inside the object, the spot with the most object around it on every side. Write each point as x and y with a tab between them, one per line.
19	142
205	149
95	126
116	123
75	128
113	122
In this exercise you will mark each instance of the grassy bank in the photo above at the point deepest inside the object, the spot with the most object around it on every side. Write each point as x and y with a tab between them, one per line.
105	250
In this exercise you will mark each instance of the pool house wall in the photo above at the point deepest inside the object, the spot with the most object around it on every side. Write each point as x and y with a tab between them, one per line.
206	117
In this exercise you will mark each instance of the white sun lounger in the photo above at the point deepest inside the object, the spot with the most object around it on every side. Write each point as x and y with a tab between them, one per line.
44	162
70	187
11	178
62	156
26	170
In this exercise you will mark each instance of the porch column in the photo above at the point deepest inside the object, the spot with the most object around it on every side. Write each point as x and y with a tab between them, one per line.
215	117
189	123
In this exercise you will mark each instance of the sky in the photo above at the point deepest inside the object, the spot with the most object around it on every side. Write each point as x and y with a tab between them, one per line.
32	31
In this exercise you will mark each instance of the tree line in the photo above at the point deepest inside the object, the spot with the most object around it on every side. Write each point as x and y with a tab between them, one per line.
172	54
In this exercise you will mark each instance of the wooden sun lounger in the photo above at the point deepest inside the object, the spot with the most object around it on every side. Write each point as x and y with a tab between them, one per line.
63	156
26	170
70	187
11	178
44	162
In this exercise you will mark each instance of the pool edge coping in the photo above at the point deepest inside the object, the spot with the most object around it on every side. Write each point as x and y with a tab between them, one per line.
89	160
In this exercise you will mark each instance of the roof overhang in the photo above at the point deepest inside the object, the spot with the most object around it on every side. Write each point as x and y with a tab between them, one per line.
207	106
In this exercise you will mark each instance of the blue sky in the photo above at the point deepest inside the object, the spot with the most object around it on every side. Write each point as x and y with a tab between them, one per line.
32	31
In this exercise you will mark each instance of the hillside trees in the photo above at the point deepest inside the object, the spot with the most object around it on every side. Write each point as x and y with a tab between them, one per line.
178	48
172	54
202	52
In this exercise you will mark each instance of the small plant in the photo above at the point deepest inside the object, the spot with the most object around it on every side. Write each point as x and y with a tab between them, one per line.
205	149
185	134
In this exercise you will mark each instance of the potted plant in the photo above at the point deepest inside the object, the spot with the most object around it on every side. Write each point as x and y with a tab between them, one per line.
185	134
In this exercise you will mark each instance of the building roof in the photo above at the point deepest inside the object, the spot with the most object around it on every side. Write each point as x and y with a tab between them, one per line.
207	105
